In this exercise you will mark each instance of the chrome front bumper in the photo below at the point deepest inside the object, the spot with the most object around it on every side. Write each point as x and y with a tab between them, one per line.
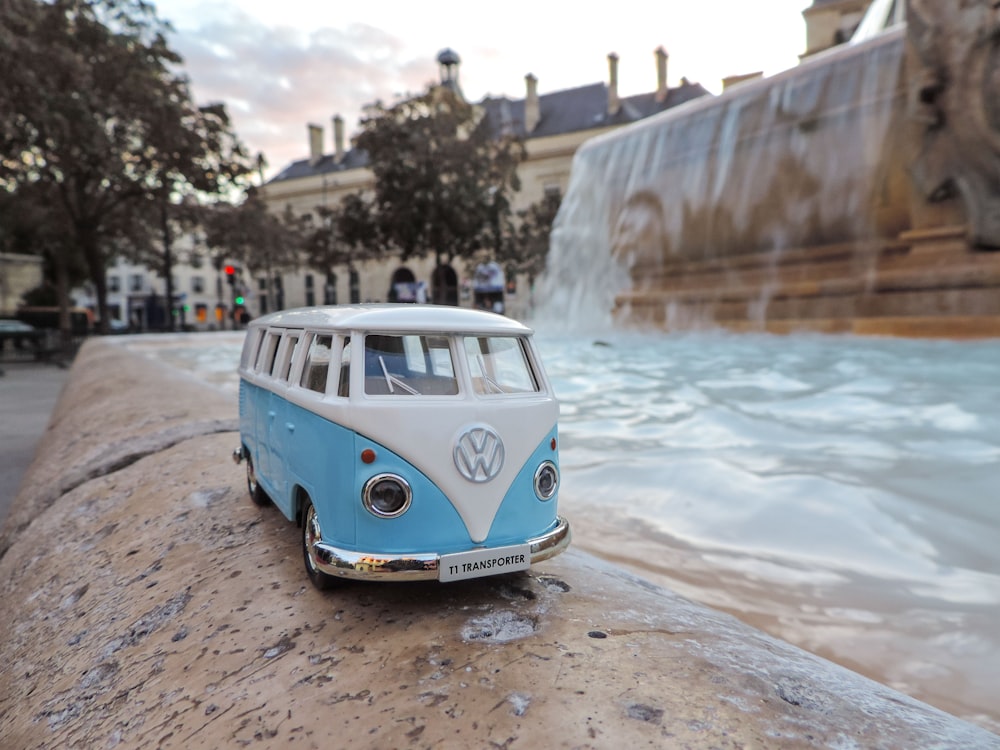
368	566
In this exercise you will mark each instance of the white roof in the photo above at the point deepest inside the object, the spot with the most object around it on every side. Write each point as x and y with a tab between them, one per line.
403	318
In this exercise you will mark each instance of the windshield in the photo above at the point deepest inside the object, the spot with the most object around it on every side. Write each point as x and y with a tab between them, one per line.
499	364
424	365
409	365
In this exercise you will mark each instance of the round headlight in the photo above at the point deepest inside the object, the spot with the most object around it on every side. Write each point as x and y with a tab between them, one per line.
386	495
546	480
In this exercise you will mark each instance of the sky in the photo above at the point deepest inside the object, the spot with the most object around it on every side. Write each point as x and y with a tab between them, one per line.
279	65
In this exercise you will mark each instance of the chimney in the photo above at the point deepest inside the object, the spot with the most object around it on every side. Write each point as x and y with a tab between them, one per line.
613	102
661	74
730	81
338	138
315	144
532	113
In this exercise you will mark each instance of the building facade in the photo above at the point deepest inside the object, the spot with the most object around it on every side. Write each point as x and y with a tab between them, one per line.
552	125
204	296
137	297
832	22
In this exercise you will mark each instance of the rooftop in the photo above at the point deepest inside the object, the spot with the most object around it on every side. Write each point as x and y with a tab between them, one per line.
559	112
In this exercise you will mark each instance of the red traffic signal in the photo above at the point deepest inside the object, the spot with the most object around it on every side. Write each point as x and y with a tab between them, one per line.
229	270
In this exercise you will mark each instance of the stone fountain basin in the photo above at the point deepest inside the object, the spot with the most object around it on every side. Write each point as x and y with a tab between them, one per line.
148	602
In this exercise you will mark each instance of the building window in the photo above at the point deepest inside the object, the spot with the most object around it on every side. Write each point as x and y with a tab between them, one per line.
114	283
355	284
197	284
330	289
262	294
279	293
310	290
135	282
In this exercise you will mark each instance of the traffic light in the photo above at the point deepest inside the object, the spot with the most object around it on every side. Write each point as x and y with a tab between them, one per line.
239	300
230	275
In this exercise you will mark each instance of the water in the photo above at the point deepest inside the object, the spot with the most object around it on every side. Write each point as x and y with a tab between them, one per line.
838	492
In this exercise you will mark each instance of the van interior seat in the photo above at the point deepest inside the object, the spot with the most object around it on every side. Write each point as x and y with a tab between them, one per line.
395	362
426	385
317	377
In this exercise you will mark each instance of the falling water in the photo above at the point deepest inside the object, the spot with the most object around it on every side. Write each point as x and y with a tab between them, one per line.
688	217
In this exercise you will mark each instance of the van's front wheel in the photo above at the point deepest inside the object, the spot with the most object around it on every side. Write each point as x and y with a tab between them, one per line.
311	535
257	494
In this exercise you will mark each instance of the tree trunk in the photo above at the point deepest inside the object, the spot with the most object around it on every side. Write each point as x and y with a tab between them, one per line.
97	268
62	295
168	261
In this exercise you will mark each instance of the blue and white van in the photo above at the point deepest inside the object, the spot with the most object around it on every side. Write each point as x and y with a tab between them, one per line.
407	441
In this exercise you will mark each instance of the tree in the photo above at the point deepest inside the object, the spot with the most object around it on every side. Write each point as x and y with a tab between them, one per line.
529	248
32	225
443	178
250	234
91	106
338	236
206	159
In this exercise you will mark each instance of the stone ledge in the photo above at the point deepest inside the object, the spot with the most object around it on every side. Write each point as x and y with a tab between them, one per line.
152	604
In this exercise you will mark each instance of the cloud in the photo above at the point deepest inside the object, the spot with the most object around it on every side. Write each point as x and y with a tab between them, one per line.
279	66
274	81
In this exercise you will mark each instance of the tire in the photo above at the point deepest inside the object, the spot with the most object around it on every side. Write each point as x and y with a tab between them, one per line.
310	533
257	494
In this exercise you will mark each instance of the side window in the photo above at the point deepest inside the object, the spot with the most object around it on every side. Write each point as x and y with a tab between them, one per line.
414	354
268	351
291	342
317	363
439	356
250	348
344	388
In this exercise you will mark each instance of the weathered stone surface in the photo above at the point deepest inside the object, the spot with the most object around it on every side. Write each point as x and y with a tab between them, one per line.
153	605
116	408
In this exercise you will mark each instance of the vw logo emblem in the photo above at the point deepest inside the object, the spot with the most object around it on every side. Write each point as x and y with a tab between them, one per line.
479	454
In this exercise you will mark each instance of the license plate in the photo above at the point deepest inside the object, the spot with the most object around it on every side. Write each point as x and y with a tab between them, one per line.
484	562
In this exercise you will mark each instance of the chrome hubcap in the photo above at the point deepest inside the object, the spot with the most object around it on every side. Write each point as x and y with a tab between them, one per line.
311	532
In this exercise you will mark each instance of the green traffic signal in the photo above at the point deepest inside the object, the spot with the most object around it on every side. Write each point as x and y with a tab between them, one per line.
239	300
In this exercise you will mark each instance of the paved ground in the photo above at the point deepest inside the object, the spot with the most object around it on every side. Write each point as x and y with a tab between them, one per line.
28	392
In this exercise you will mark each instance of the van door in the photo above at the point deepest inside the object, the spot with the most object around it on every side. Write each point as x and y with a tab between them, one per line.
265	413
281	429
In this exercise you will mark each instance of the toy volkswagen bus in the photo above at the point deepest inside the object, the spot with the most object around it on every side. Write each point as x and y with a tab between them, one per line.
408	442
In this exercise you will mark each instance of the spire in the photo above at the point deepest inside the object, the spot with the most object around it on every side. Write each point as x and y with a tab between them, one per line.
448	61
